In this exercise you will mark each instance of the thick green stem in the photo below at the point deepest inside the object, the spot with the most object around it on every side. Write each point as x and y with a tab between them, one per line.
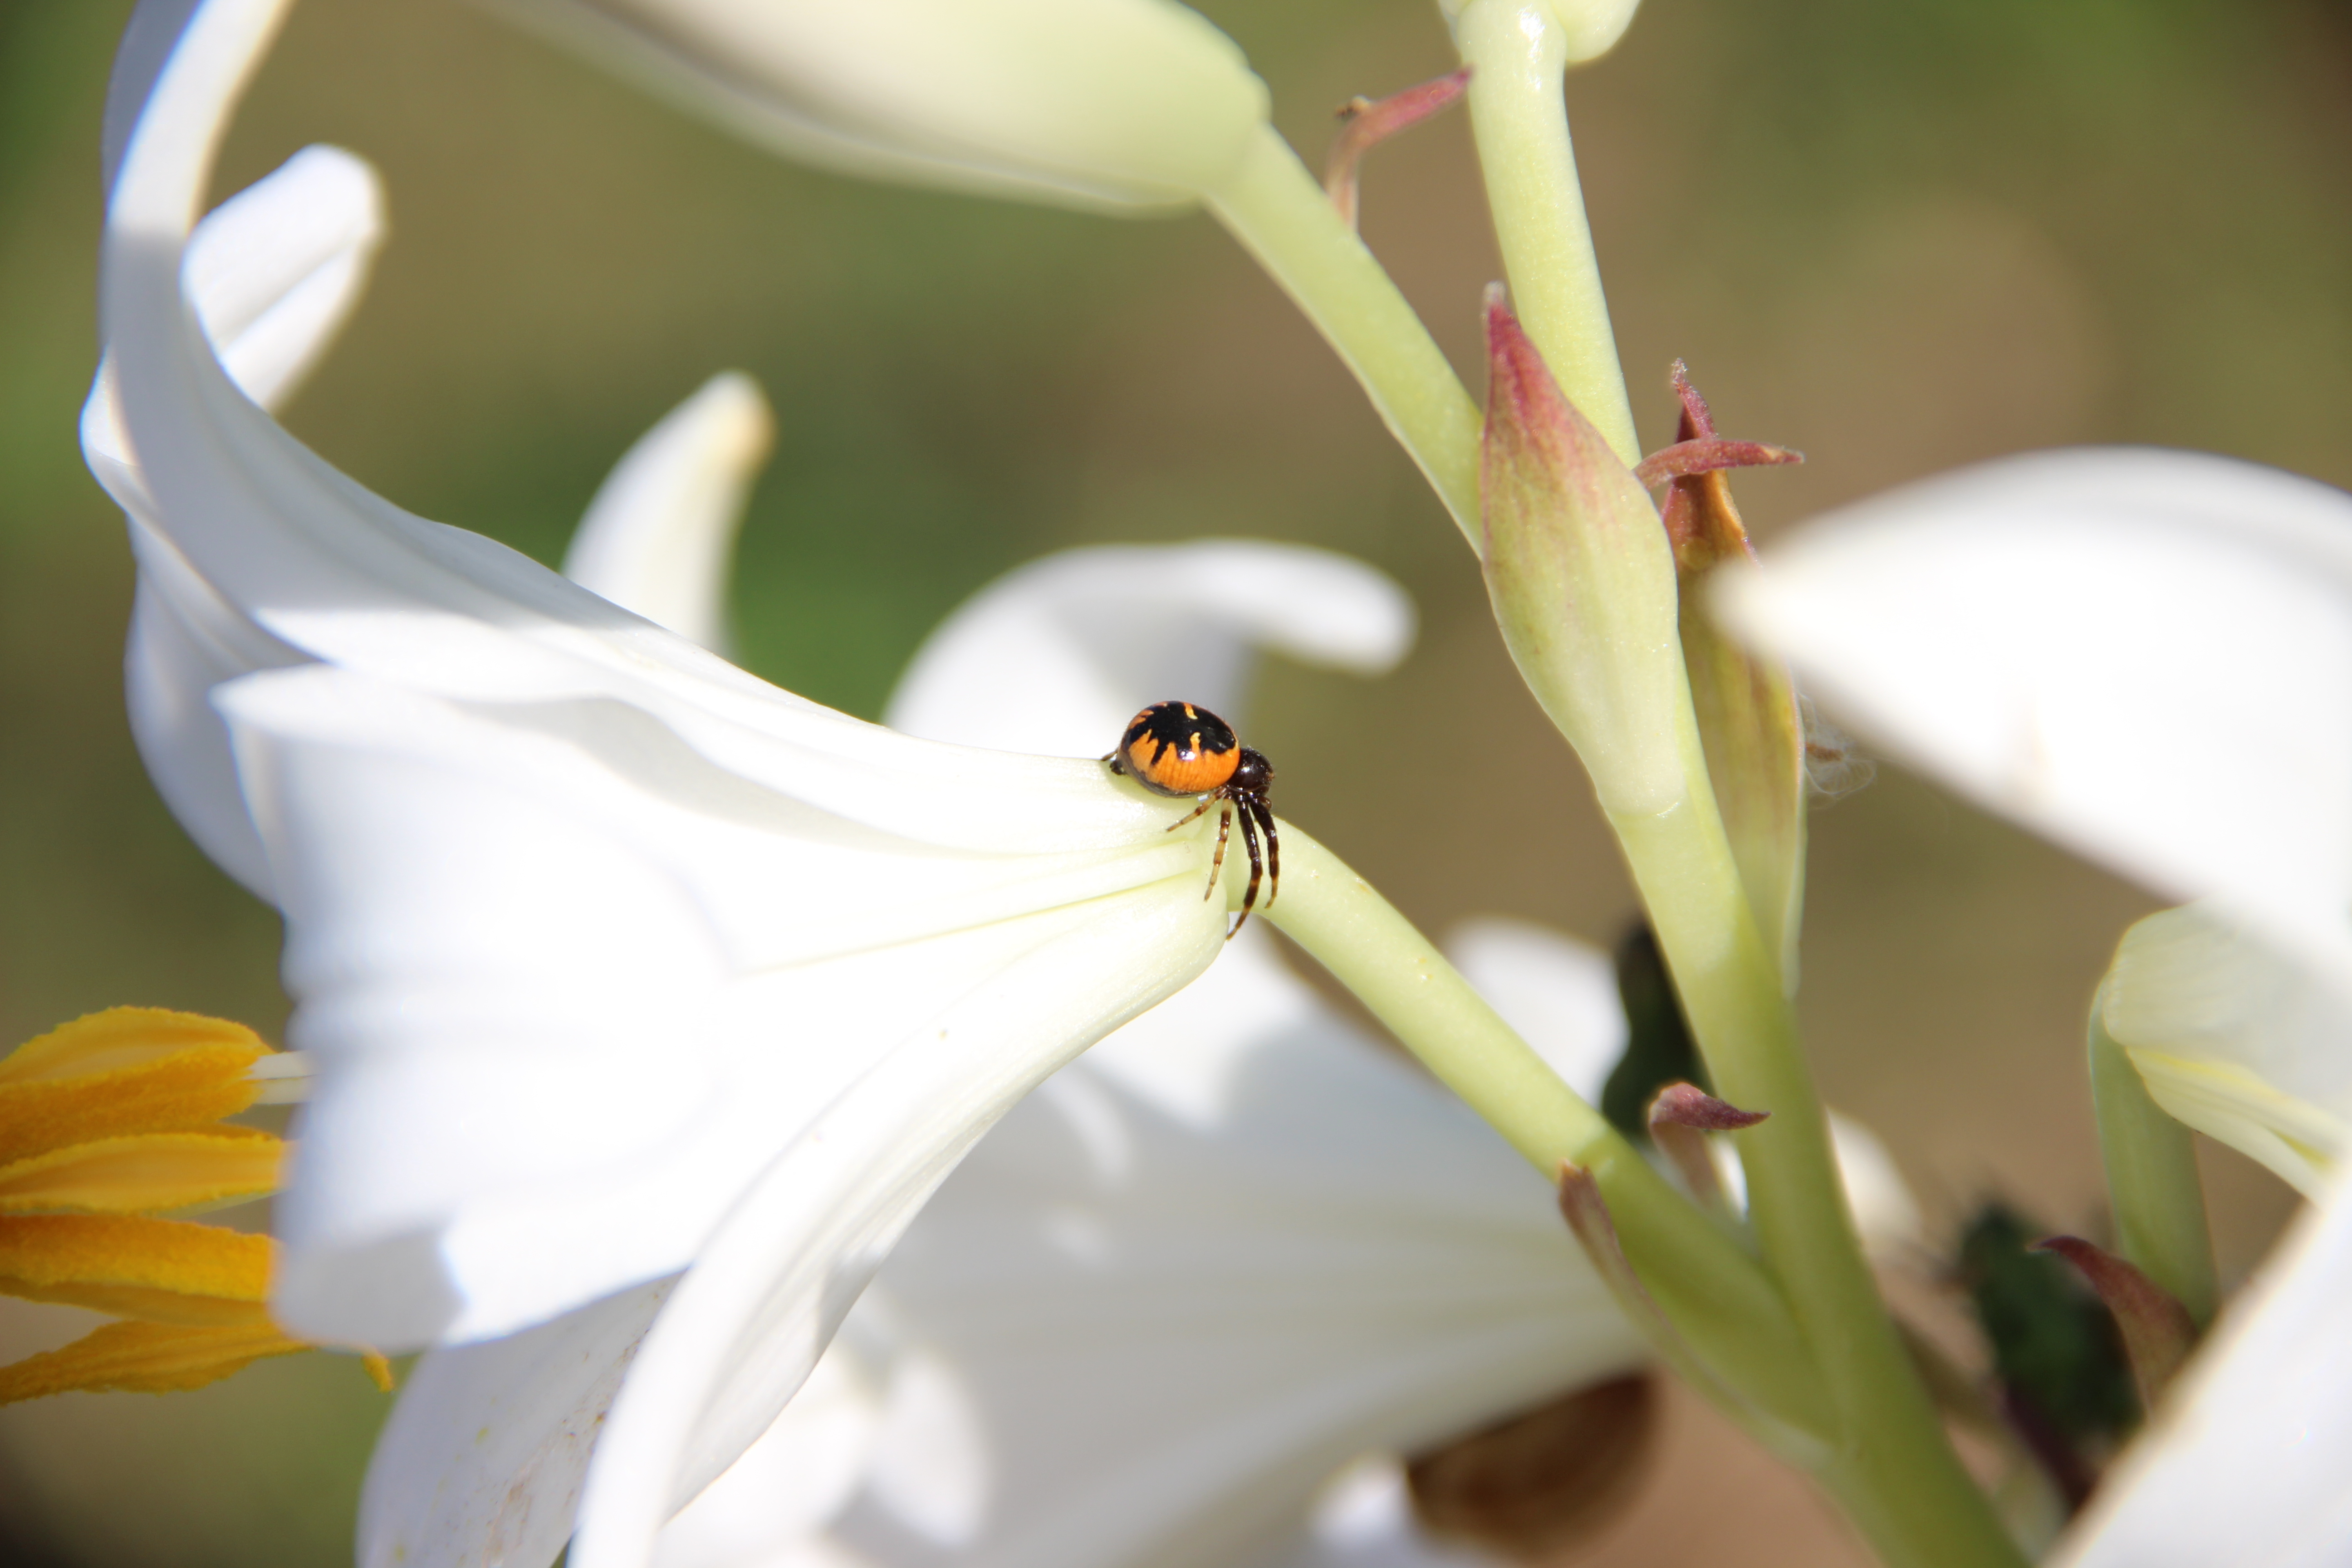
1892	1467
1714	1294
1517	56
1274	206
2151	1179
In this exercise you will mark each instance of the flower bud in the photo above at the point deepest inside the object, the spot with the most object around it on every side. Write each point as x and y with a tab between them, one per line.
1118	103
1581	578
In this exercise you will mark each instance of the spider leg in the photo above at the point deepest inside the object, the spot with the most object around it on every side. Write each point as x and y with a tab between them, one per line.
1217	866
1249	838
1264	815
1198	811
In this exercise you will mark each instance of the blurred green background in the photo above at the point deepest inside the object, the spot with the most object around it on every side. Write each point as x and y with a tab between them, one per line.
1897	234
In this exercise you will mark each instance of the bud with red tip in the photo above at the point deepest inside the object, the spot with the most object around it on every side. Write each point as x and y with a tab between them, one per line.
1582	581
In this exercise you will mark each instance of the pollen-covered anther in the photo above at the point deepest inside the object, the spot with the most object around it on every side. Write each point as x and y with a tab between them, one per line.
106	1124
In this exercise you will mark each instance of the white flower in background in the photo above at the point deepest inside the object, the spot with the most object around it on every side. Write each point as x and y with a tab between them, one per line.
2148	656
1125	104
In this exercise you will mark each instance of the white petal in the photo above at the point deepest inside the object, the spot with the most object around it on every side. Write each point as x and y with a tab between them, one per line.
185	641
2244	1465
482	1459
2236	1040
1886	1215
1229	1250
271	273
1122	104
623	888
342	576
1087	638
2147	654
789	1485
772	1283
1559	993
657	537
570	989
275	270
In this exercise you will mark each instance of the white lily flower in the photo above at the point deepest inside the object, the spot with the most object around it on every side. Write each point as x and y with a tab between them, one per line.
1231	1250
609	957
587	929
2145	654
1121	104
1073	635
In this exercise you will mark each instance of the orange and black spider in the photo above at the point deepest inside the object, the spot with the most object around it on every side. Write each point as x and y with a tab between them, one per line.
1176	749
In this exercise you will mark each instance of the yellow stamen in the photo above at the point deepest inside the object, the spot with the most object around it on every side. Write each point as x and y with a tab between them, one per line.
148	1172
123	1072
109	1119
166	1270
149	1358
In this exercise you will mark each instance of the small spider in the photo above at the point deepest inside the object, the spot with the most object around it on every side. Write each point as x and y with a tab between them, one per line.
1176	749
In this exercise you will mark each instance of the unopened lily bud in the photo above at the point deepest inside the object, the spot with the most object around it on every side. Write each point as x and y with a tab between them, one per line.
1581	578
1590	27
1108	103
1748	719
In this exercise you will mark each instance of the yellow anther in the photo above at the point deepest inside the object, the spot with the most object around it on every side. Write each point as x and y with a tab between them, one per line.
146	1358
146	1173
103	1122
125	1071
167	1270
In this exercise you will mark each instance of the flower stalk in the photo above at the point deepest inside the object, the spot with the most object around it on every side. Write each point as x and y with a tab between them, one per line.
1518	52
1727	1308
1585	590
2151	1165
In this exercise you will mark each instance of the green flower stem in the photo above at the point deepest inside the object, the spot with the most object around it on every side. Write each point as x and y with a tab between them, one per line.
2151	1179
1274	206
1724	1305
1893	1468
1517	57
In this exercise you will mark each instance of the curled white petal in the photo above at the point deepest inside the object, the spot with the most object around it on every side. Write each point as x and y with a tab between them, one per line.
657	536
2147	654
1125	104
1096	634
2235	1039
272	274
